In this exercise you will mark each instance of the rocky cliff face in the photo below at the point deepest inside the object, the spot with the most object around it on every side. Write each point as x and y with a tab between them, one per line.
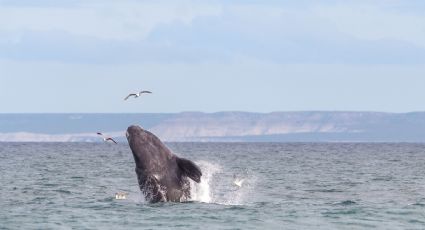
239	124
223	126
233	124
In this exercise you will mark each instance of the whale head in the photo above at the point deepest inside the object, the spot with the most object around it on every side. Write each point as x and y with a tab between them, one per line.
148	151
133	132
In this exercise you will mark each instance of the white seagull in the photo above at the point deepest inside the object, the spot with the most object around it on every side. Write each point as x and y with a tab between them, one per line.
106	139
238	182
136	95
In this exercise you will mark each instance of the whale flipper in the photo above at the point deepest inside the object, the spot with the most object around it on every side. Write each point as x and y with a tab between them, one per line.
189	169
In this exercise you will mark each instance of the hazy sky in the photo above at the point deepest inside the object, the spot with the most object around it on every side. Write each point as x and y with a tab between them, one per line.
213	55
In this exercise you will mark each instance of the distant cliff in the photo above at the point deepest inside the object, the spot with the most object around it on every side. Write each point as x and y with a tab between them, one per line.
222	126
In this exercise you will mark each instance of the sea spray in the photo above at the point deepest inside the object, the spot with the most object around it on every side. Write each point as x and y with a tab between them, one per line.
217	185
202	191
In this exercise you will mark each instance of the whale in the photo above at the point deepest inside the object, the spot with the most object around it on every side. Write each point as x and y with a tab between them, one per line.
162	176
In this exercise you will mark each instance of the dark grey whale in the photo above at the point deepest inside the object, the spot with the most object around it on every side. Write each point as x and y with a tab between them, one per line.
162	176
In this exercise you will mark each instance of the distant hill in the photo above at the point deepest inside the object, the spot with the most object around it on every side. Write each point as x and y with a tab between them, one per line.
313	126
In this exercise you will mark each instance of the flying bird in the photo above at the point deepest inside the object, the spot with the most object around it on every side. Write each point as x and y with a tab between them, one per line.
106	139
238	182
136	95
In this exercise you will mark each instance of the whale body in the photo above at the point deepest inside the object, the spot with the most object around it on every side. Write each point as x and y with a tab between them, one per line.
162	176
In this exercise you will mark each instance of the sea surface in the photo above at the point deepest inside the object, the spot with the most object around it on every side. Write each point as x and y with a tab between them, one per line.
285	186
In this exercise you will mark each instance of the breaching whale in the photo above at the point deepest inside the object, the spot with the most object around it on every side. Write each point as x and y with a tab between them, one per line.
162	176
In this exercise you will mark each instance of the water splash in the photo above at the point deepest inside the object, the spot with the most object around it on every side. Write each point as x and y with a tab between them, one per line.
217	186
202	191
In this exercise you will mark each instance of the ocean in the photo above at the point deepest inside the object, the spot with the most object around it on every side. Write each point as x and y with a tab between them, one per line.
285	186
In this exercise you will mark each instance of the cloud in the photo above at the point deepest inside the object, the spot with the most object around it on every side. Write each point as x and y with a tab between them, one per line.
374	22
189	31
109	20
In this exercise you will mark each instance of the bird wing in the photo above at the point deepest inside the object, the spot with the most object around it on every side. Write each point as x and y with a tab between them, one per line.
110	139
238	182
145	91
131	94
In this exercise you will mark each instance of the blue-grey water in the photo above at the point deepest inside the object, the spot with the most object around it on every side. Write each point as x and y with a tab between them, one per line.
286	186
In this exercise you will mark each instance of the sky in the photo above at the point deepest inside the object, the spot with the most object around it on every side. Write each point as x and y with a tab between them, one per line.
77	56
